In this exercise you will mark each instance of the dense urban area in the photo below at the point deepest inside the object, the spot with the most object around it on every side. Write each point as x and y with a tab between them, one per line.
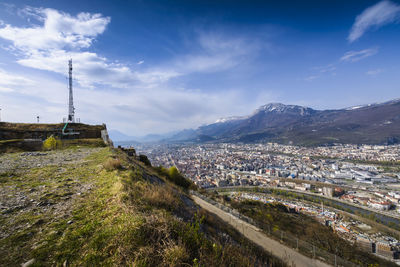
361	176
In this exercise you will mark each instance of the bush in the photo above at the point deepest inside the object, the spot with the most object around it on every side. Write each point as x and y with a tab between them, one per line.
145	160
178	178
172	174
52	143
112	164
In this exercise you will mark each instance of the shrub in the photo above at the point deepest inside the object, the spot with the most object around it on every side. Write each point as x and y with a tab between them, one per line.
161	170
52	143
178	178
112	164
145	160
172	174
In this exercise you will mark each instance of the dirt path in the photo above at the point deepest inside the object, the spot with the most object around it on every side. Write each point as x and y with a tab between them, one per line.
292	257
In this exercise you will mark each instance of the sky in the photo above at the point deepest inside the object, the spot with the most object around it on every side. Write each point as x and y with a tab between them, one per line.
159	66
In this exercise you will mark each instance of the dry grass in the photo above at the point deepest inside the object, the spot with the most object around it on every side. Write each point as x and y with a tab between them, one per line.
175	255
161	197
112	164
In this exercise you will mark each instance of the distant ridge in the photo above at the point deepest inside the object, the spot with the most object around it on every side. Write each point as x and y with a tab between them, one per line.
377	123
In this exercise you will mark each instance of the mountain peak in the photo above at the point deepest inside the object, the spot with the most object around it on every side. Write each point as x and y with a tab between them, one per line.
282	108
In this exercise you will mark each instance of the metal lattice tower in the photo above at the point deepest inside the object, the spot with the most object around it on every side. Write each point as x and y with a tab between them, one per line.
71	109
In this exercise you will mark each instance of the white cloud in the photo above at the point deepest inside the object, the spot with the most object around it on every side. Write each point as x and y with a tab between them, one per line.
326	69
311	78
376	16
321	71
160	109
218	53
374	72
6	89
354	56
164	109
59	30
145	101
8	79
91	69
61	37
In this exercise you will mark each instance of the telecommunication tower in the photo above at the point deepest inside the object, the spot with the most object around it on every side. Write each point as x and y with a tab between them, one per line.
71	109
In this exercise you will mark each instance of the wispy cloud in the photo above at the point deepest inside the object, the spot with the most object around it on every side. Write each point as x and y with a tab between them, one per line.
61	36
327	68
330	69
311	78
374	17
6	89
374	72
216	52
144	93
354	56
320	71
8	79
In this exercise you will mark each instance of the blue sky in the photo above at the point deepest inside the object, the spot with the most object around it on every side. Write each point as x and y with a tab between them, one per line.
158	66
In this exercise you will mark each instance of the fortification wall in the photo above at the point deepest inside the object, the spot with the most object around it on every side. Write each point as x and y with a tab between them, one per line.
9	131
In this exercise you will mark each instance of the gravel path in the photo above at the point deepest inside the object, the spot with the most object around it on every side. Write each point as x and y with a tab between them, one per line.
290	256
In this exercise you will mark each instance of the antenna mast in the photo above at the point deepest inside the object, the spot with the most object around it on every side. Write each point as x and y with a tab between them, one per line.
71	109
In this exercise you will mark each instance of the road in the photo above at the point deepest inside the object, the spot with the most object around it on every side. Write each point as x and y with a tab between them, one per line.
388	214
289	255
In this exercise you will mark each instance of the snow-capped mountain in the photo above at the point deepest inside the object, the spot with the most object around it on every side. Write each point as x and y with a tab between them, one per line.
373	123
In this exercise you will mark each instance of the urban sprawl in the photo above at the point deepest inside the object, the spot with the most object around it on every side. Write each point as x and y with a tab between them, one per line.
365	176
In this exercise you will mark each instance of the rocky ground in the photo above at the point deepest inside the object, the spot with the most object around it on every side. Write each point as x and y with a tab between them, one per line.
20	162
28	197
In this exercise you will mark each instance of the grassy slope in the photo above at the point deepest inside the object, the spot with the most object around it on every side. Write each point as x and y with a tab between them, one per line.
129	217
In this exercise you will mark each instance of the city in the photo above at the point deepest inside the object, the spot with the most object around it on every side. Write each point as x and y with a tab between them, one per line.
363	176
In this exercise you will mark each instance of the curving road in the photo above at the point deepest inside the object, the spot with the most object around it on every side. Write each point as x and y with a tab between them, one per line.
289	255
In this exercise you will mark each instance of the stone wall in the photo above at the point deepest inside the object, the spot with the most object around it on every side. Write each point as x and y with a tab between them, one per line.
21	145
9	131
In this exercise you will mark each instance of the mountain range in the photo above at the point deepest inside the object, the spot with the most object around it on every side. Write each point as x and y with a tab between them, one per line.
292	124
